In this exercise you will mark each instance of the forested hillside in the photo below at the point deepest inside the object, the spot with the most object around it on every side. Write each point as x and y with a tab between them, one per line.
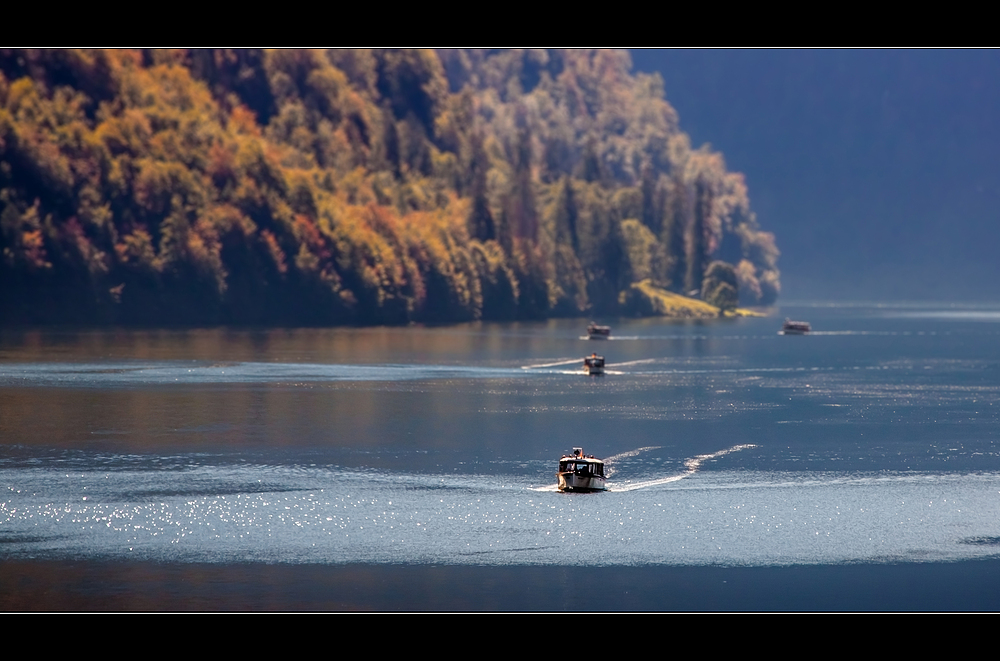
357	187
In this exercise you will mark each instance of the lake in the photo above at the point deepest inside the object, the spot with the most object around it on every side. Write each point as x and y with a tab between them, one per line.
855	468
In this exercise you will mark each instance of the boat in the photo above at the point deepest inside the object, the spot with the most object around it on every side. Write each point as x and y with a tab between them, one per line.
594	365
595	332
795	327
580	472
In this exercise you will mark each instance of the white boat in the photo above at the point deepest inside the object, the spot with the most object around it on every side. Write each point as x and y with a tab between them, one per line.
580	472
595	332
795	327
593	365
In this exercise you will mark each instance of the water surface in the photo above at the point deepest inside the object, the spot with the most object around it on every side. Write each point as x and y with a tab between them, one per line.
402	452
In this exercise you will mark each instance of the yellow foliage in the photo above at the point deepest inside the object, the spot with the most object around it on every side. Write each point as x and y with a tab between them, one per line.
644	298
136	249
358	176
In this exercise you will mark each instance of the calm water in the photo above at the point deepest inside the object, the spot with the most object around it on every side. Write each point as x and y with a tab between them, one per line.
414	467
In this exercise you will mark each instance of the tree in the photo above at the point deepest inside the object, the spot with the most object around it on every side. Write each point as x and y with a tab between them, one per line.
524	213
243	186
567	215
481	224
652	201
720	287
675	231
696	244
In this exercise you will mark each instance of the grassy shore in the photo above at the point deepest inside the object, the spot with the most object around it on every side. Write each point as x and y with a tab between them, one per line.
647	300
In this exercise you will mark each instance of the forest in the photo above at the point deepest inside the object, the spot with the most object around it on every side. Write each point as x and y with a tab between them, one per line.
328	187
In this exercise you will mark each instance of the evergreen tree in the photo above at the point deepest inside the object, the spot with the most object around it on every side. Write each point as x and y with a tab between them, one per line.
675	232
652	201
481	219
696	244
524	212
567	215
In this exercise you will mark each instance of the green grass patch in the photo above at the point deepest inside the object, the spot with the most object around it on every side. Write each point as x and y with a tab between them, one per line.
644	299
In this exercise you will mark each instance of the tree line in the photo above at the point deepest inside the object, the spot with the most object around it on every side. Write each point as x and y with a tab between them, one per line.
356	187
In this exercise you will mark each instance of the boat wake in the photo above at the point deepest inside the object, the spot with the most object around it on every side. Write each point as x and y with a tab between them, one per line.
631	453
692	465
558	364
854	332
639	362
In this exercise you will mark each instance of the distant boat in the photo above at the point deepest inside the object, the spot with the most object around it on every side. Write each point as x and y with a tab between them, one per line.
593	365
595	332
795	327
580	472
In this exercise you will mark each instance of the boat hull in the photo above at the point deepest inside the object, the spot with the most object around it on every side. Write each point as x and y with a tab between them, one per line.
594	365
574	482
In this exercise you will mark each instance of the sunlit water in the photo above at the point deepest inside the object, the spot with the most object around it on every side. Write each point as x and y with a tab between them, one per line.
211	513
873	440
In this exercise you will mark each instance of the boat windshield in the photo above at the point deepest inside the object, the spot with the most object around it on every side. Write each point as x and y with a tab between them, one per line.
581	468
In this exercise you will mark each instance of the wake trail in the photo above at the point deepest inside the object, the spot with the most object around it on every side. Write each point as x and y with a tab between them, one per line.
692	465
853	332
639	362
631	453
561	362
609	460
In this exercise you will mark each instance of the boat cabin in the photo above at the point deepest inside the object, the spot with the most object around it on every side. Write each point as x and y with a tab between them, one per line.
583	467
594	364
595	332
795	327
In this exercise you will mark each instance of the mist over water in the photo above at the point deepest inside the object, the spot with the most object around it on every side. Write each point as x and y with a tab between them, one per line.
872	440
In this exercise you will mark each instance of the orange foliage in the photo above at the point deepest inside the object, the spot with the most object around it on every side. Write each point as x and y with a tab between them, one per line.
274	250
358	176
33	249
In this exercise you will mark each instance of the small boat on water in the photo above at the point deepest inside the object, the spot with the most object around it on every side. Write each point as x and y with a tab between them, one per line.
593	365
795	327
580	472
595	332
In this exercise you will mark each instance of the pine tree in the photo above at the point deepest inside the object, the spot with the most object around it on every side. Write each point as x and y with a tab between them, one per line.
696	244
567	215
481	223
